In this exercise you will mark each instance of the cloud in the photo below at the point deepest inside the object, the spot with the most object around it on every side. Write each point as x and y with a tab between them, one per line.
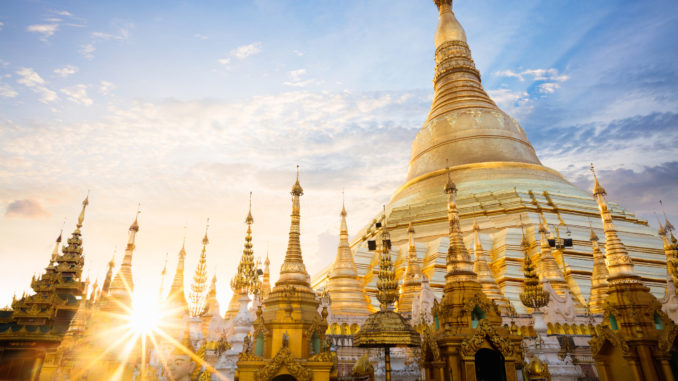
242	52
224	61
7	91
63	13
106	87
298	52
1	25
27	208
46	30
78	94
33	81
296	78
66	71
200	36
87	50
515	103
548	79
548	88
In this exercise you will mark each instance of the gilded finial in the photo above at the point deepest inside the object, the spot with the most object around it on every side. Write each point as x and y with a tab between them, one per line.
592	236
135	224
387	284
668	227
597	188
250	220
450	187
81	218
533	294
206	241
343	205
297	190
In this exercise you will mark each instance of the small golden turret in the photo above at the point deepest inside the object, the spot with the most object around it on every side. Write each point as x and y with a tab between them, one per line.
412	278
619	263
199	285
176	299
266	278
485	276
599	276
533	294
387	284
548	266
459	264
105	288
245	280
346	291
123	283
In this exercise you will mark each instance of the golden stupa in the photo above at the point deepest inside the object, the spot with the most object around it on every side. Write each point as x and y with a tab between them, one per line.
500	178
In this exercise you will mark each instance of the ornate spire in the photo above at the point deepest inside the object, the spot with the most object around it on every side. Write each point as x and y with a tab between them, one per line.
533	294
449	28
599	285
74	246
211	303
619	264
55	252
346	291
177	295
245	280
549	268
482	268
293	270
105	288
387	284
199	284
412	277
459	264
266	281
123	284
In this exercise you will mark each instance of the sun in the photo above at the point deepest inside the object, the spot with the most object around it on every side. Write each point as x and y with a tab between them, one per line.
145	315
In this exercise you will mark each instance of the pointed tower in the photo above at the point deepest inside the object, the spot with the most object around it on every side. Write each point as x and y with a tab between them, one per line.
106	287
632	341
412	278
289	333
548	266
485	275
347	297
199	284
122	285
266	281
599	276
176	299
466	319
38	322
244	282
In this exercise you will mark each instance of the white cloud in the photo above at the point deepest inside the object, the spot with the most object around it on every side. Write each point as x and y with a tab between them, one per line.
551	74
296	78
106	87
66	71
46	30
242	52
33	81
78	94
87	50
1	25
224	61
514	103
200	36
549	87
7	91
63	13
298	52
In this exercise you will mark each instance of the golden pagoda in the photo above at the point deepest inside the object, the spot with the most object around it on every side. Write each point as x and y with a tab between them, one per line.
31	331
176	299
347	297
289	333
245	279
266	279
199	285
636	339
412	277
469	337
500	178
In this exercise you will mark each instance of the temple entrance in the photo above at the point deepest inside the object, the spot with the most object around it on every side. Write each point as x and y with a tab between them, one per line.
284	377
490	366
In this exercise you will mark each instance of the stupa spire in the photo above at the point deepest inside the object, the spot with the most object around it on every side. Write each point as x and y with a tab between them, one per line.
266	278
412	277
548	266
459	264
599	285
177	296
387	284
199	284
293	270
74	246
346	292
245	280
105	288
55	252
533	294
619	263
482	268
123	284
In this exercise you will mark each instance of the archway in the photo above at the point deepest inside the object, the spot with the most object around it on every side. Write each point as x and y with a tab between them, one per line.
490	365
284	377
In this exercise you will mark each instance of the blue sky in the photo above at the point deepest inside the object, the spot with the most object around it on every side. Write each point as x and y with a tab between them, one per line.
187	106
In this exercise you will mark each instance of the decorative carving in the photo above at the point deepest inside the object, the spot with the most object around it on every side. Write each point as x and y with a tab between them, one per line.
605	334
283	358
485	331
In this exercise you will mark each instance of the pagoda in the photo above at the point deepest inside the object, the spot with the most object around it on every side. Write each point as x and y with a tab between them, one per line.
37	323
500	178
289	332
